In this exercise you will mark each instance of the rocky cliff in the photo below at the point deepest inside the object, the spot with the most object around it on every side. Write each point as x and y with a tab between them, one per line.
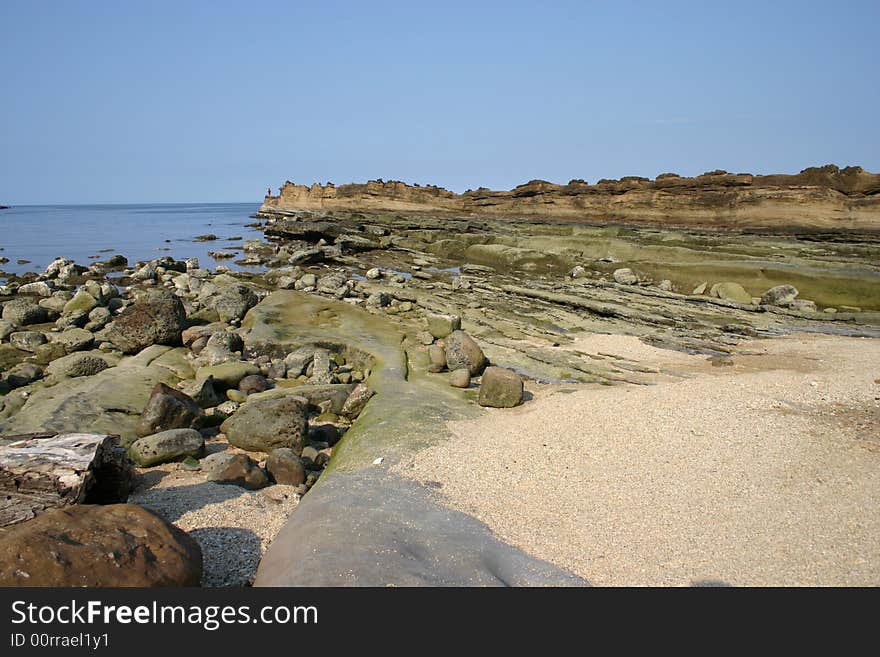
818	198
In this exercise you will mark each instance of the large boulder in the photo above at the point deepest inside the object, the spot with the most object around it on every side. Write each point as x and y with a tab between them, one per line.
233	301
781	295
168	408
500	388
82	302
24	311
91	545
261	425
27	340
155	319
462	351
75	339
166	446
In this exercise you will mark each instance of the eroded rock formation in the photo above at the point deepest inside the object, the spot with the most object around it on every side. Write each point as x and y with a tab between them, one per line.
818	198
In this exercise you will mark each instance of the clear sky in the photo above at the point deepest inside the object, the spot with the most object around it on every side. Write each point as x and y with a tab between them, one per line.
115	102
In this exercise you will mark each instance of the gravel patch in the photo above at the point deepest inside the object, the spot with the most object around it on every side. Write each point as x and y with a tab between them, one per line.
233	526
763	472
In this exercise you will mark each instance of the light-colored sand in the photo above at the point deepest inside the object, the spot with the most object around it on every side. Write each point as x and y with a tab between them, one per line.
766	472
233	526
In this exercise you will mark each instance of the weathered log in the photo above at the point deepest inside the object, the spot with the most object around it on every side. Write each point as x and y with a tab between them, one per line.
37	474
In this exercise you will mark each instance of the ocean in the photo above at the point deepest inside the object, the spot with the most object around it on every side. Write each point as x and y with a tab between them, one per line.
86	233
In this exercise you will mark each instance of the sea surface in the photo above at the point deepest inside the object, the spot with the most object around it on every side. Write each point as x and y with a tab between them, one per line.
86	233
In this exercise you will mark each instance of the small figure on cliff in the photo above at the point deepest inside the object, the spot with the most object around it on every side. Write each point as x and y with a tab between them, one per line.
268	191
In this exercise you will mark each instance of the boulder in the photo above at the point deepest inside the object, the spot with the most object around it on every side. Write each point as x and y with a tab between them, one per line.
500	388
24	311
27	340
285	467
168	408
253	383
37	289
462	351
731	292
625	276
23	374
75	339
82	302
781	295
440	326
115	545
166	446
235	469
80	363
261	425
233	301
156	319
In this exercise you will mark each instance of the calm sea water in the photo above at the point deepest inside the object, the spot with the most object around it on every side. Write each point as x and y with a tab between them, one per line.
86	233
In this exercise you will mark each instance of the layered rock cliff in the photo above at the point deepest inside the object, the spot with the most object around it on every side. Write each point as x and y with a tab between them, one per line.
818	198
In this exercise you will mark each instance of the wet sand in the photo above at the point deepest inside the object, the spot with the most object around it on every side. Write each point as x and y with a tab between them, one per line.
764	472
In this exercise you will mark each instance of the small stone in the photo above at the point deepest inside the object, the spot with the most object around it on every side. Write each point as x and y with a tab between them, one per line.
236	395
460	378
437	355
356	401
254	383
234	469
373	274
781	295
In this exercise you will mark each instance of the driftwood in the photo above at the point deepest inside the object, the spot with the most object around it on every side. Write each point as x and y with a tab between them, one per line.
44	471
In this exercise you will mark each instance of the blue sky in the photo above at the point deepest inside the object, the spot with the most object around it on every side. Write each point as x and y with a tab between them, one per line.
181	101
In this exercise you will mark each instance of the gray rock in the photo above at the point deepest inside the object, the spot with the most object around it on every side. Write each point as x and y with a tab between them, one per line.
261	425
803	306
321	368
23	374
442	325
27	340
463	352
373	274
233	301
38	289
234	469
24	311
500	388
285	467
80	363
254	383
75	339
780	295
98	318
168	408
166	446
6	328
578	272
378	299
701	288
625	276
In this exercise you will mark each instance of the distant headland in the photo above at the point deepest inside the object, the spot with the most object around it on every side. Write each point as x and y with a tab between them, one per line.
817	198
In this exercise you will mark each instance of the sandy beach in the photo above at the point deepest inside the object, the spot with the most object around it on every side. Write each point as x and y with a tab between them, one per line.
759	472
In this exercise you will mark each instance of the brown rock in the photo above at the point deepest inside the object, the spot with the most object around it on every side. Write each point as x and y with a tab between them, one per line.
462	351
261	425
168	408
500	388
285	467
460	378
89	545
356	401
156	319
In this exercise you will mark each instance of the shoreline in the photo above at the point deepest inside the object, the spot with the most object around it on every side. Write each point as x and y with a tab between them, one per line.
347	321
